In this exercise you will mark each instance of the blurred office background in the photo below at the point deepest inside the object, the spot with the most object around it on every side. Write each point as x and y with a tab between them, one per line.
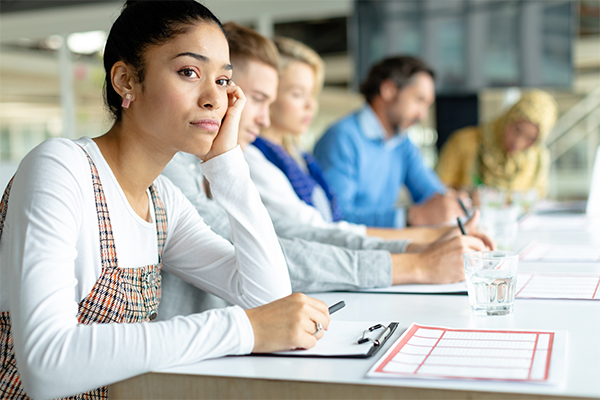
485	53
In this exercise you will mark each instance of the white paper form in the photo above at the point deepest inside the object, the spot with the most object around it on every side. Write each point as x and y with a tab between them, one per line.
458	287
558	286
438	352
560	252
568	222
547	206
529	286
341	339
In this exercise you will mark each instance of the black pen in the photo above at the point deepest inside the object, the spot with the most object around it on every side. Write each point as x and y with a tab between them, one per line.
336	307
462	205
461	226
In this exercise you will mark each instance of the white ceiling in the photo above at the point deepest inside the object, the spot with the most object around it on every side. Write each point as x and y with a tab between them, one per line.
40	24
31	77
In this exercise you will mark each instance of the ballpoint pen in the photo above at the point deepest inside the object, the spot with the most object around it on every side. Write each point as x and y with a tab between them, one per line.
461	226
336	307
462	205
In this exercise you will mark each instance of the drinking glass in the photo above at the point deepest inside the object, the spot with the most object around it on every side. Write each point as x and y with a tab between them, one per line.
491	281
491	197
501	224
525	201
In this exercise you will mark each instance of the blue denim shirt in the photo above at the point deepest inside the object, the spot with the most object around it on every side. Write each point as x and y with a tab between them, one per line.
366	171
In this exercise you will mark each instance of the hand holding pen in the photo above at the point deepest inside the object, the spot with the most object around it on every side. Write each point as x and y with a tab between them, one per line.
288	323
336	307
464	208
470	229
442	260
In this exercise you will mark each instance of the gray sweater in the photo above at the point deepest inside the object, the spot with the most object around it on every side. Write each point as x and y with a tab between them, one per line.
318	259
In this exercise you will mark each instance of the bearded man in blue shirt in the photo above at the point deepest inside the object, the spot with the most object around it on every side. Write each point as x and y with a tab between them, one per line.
367	156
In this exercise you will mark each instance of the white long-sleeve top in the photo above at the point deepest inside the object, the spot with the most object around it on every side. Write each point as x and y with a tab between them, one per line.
278	195
50	260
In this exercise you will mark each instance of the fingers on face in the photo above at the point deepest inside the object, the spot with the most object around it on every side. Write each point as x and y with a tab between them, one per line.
235	91
235	95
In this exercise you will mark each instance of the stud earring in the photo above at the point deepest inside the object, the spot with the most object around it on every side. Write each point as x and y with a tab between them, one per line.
126	100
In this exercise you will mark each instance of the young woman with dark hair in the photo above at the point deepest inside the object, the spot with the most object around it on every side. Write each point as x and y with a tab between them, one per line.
88	224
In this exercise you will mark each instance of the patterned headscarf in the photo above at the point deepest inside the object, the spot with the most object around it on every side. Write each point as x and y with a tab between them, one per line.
495	167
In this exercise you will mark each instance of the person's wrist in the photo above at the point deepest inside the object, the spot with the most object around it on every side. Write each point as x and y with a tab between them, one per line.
415	247
251	313
419	271
405	269
217	151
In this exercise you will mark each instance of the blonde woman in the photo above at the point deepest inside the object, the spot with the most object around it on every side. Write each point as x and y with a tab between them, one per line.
289	180
507	153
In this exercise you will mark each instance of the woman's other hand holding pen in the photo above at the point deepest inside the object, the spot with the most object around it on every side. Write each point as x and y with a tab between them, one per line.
288	323
440	261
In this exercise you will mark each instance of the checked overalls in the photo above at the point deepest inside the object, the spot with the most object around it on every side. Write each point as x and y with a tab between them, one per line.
120	295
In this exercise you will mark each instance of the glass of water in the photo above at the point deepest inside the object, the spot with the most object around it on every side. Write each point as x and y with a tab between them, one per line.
501	224
491	281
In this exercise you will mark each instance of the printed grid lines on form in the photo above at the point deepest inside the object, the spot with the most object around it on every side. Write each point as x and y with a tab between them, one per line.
558	286
470	354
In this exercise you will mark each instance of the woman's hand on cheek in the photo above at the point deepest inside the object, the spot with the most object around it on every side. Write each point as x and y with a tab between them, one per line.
227	137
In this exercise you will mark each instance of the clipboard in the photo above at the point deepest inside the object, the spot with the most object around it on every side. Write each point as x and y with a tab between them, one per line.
341	341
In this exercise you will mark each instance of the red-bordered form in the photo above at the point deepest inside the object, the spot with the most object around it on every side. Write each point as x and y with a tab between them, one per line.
560	252
558	286
437	352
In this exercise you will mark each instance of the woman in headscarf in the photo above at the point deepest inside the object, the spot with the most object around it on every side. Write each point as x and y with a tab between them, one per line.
508	153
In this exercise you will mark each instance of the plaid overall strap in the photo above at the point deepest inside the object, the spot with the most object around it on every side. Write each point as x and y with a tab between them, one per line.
161	221
10	382
4	204
123	295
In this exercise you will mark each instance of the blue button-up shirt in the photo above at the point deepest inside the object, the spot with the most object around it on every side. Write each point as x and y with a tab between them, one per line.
366	171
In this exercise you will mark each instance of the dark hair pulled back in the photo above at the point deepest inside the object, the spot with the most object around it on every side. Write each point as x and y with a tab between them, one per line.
398	69
143	24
